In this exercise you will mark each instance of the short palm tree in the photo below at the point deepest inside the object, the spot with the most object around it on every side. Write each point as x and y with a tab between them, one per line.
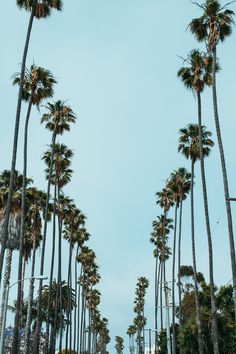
195	77
213	27
37	86
189	146
39	9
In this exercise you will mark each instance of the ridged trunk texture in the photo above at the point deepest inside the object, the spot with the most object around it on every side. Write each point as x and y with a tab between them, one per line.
173	281
6	281
179	261
225	180
15	144
208	228
39	320
16	338
197	304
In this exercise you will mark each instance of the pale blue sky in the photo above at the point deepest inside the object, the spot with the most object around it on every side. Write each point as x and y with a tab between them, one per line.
116	63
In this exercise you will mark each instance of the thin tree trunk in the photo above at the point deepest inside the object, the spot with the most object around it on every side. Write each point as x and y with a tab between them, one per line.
173	282
225	179
59	282
79	312
15	144
16	338
179	262
157	273
69	302
161	297
39	320
208	228
158	288
22	293
52	264
76	300
6	280
198	318
30	301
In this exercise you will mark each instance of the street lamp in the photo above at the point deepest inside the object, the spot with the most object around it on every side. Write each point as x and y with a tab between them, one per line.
39	277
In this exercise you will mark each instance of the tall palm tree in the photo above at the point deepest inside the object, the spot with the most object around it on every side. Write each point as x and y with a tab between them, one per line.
165	199
189	146
37	86
14	224
195	77
38	9
34	219
176	188
57	120
156	239
213	27
180	183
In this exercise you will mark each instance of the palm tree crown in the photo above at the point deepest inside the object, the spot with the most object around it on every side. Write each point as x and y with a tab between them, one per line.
198	73
59	117
214	25
189	142
41	8
37	84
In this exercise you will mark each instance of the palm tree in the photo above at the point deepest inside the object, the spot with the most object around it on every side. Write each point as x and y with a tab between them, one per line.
157	238
189	146
180	184
35	227
213	27
57	120
13	225
131	332
37	9
73	232
174	184
37	86
195	77
119	345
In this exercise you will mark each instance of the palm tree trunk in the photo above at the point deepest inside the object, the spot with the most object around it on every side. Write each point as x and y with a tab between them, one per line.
197	304
59	281
173	282
179	261
39	320
79	312
30	300
76	299
225	179
157	275
69	302
208	228
6	280
157	301
22	293
15	144
52	263
16	338
161	297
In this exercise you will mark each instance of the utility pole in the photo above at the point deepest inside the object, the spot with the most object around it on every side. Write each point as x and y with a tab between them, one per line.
167	308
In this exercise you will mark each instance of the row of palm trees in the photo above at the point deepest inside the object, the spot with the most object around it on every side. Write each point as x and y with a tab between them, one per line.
68	305
199	71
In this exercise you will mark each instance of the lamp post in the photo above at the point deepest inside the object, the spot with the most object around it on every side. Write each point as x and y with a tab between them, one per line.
2	341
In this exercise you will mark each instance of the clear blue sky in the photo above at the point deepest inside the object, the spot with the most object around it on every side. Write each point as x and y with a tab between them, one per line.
116	63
